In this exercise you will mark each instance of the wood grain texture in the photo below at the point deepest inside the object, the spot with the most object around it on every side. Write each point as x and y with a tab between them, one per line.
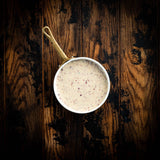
23	79
61	128
123	36
138	29
100	42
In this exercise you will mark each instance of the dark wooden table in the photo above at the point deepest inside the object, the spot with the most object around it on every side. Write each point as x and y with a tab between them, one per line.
122	35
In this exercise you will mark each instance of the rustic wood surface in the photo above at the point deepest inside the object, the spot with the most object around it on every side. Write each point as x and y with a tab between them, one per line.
123	36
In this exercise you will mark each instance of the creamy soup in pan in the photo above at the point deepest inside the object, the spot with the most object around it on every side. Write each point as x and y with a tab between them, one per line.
81	85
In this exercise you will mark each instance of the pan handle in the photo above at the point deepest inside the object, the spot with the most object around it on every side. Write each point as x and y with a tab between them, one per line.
46	30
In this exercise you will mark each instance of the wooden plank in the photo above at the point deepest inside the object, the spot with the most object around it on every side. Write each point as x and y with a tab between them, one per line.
62	128
139	67
23	80
100	42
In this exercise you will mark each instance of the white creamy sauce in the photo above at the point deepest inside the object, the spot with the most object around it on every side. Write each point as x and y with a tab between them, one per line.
81	85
